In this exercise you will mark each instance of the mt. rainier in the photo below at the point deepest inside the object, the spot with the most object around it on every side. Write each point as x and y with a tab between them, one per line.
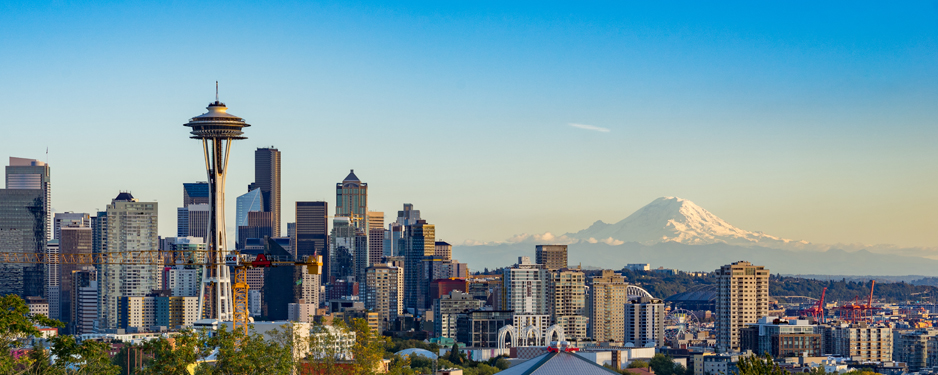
672	219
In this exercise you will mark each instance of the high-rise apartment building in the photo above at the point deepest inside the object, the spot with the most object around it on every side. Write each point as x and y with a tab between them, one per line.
52	279
69	219
267	178
860	341
131	226
247	202
912	347
608	297
375	237
443	250
644	322
420	242
742	298
446	311
525	288
552	257
384	292
567	302
312	230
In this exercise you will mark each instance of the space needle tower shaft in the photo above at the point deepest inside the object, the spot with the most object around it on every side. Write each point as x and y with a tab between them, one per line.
216	129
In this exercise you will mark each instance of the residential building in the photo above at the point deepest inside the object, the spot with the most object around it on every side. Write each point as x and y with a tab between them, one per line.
782	338
525	288
131	226
860	341
567	306
384	292
182	281
644	322
608	297
301	311
37	305
447	309
912	347
307	286
52	279
742	298
267	178
552	257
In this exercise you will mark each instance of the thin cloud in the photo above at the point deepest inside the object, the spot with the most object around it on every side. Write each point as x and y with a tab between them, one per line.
590	127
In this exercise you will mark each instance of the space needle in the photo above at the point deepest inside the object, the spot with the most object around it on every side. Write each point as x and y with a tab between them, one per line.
216	129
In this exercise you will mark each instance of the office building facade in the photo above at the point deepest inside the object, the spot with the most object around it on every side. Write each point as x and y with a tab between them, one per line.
267	179
552	257
312	230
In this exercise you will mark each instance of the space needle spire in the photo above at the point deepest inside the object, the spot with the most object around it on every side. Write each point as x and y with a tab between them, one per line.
216	129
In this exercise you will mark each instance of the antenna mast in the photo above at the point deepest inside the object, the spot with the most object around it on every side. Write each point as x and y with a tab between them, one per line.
216	91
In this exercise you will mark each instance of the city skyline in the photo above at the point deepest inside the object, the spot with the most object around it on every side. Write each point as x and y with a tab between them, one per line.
806	125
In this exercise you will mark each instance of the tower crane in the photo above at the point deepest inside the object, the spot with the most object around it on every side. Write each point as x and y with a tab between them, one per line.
160	258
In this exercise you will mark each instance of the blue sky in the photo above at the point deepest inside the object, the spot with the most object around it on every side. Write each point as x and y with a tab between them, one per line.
804	120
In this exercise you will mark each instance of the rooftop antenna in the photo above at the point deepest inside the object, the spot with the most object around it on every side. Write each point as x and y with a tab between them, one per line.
216	91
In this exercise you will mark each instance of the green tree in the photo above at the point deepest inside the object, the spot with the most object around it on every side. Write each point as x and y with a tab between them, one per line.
87	357
240	353
756	365
368	350
454	356
174	355
638	363
663	364
17	323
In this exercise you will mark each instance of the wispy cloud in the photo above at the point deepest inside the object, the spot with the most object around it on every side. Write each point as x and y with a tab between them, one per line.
590	127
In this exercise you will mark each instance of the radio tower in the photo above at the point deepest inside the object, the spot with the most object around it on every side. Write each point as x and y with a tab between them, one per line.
216	129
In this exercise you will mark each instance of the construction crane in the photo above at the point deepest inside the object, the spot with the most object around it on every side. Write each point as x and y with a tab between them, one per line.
240	262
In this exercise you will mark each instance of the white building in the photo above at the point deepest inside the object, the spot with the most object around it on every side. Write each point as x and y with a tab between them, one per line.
644	322
254	302
301	312
525	288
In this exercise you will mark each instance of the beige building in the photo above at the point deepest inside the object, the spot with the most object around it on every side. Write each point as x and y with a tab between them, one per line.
861	342
131	227
553	257
375	237
608	297
566	294
384	292
912	347
443	250
742	298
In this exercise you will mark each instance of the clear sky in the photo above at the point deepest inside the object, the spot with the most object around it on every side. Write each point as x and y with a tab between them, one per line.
805	120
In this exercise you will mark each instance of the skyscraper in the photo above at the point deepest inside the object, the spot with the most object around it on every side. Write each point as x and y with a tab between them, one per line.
742	298
267	178
553	257
608	296
260	224
312	230
443	250
131	226
348	250
31	174
73	240
195	193
351	196
247	202
644	322
25	225
84	301
420	241
375	237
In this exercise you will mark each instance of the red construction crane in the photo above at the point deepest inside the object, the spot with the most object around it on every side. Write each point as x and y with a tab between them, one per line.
855	311
816	311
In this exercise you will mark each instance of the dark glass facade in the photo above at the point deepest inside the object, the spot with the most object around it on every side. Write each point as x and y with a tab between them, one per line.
22	229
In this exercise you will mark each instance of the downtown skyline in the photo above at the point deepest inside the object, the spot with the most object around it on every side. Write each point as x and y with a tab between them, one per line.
490	120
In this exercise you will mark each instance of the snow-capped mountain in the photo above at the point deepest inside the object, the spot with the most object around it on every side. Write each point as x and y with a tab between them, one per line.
672	219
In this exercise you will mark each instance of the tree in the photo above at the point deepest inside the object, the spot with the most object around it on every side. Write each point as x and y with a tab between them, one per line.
174	355
240	353
638	363
663	364
454	356
368	349
88	357
755	365
16	323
